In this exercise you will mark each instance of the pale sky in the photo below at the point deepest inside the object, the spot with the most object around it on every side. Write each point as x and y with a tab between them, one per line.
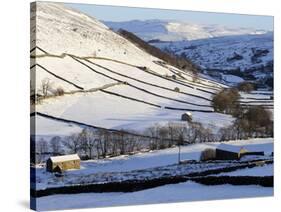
116	13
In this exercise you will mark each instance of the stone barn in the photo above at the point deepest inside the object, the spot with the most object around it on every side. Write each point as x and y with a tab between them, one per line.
62	163
177	89
187	116
229	152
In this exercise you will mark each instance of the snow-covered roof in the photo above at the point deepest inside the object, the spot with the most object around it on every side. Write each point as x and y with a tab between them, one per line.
188	113
64	158
230	148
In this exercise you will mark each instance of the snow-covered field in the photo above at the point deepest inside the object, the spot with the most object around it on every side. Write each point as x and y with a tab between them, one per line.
112	83
266	170
83	53
181	192
187	191
142	161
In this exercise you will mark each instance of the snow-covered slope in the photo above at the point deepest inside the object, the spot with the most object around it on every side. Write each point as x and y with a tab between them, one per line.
229	52
178	30
124	165
60	29
214	48
182	192
108	81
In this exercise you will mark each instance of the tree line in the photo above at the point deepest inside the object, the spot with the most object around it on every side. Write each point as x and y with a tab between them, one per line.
253	121
250	121
174	60
97	144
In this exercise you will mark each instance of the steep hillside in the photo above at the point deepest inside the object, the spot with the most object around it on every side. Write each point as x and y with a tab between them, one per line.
89	76
172	59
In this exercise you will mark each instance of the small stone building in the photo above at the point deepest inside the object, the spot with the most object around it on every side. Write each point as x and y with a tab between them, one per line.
187	116
177	89
230	152
62	163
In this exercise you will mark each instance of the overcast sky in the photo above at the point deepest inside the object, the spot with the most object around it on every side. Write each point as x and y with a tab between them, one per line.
116	13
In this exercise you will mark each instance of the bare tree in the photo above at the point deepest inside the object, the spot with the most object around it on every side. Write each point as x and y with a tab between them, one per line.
41	150
88	141
153	132
104	142
227	133
132	143
45	87
72	142
120	140
163	137
193	132
55	145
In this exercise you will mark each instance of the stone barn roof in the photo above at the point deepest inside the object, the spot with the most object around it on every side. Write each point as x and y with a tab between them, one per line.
230	148
188	113
64	158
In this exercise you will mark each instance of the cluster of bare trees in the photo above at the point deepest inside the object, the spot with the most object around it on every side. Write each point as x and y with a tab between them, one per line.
252	122
103	143
46	89
164	136
96	144
90	144
42	149
172	134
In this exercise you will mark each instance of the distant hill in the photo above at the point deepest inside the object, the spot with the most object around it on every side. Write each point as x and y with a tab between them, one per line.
179	30
221	52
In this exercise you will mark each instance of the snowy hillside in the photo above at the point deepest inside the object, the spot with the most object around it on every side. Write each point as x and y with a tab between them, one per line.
251	53
104	81
127	114
62	30
178	30
78	53
220	51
